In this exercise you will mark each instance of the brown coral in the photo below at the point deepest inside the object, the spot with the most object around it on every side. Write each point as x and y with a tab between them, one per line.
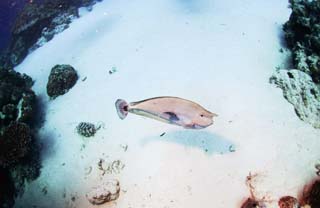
312	195
14	143
250	203
288	202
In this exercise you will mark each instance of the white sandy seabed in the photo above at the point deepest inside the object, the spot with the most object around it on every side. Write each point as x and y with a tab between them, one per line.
217	53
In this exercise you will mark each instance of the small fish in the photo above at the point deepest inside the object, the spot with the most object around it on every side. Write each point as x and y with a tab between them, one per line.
172	110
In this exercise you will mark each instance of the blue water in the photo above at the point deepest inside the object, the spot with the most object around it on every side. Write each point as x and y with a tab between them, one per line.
9	9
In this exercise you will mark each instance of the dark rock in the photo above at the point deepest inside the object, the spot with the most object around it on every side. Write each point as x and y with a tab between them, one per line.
312	197
14	143
7	189
250	203
19	150
38	23
61	79
16	97
302	34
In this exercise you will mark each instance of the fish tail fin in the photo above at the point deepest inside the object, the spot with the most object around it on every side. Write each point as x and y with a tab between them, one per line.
122	108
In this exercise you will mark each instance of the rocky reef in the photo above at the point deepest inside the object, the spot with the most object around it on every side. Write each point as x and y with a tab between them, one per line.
300	85
38	22
312	196
61	79
14	143
299	89
17	99
19	150
302	35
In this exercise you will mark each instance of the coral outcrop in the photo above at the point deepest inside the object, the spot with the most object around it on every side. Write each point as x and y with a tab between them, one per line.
299	89
14	143
301	85
19	151
302	34
61	79
17	100
38	22
312	196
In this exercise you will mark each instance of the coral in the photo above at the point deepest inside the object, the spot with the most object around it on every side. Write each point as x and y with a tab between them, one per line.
288	202
106	192
61	79
299	89
19	157
250	203
14	143
57	25
6	189
86	129
17	100
40	18
302	34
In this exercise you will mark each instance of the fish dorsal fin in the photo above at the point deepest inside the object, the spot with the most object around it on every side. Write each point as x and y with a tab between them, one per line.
171	116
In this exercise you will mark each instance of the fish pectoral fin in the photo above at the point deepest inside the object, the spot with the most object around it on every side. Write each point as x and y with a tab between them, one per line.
171	116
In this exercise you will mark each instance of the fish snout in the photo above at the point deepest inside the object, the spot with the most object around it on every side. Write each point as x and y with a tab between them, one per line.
212	115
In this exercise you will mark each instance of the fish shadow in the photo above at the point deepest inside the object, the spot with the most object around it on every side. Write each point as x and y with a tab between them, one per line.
206	141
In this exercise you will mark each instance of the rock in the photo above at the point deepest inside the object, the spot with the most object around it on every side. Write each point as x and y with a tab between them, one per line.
14	143
299	89
302	34
312	196
61	79
6	189
19	151
57	25
37	23
250	203
106	192
288	202
86	129
17	100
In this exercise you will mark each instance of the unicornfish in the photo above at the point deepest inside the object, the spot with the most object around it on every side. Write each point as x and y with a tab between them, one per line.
172	110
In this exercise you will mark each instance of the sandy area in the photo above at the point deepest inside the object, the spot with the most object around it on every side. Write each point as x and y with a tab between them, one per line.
217	53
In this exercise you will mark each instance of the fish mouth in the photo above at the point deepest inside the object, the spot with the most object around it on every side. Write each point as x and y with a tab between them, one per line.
196	126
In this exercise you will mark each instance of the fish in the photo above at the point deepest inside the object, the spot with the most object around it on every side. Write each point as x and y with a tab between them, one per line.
171	110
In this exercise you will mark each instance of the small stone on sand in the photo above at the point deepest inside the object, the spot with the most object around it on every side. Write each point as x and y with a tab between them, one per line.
106	192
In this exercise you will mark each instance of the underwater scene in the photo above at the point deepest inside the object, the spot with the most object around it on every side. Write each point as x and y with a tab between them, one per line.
159	104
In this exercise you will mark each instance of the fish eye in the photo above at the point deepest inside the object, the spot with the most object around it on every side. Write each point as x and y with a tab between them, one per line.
201	115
